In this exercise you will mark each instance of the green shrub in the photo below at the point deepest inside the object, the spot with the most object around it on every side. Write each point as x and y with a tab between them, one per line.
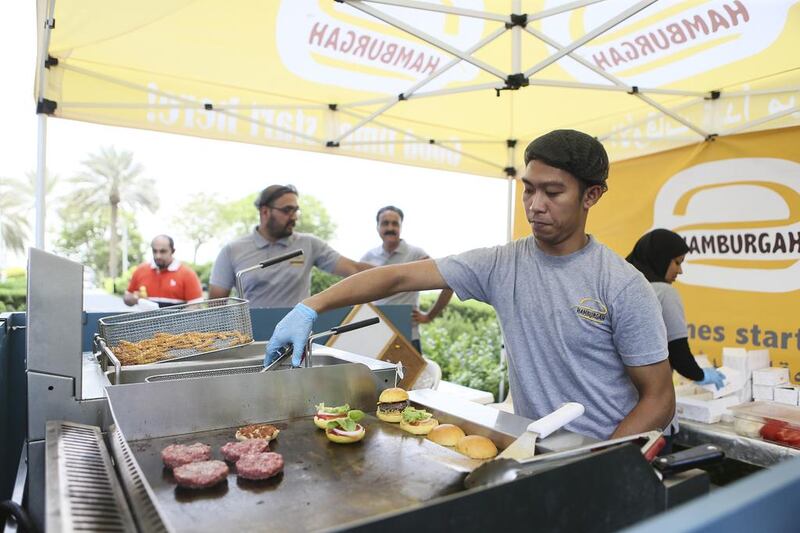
203	271
321	280
465	342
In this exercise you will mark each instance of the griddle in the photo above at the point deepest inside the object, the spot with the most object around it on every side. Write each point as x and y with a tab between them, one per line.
324	485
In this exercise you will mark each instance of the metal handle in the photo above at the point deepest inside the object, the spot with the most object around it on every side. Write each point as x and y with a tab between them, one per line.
557	419
691	458
355	325
263	264
283	352
103	347
280	259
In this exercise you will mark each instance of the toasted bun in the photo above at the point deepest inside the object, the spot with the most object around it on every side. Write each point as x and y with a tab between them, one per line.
422	428
321	423
345	439
476	447
446	434
390	416
395	394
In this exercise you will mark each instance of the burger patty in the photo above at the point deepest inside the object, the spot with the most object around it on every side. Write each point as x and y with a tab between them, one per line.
176	455
396	406
201	475
259	465
233	451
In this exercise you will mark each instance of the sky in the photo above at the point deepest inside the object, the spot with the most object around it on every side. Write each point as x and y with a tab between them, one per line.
445	212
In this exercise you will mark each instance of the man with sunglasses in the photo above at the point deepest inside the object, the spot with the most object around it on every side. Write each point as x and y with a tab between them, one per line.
579	322
284	284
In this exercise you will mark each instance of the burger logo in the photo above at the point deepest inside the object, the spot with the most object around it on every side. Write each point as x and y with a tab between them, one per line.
656	47
333	43
592	309
741	221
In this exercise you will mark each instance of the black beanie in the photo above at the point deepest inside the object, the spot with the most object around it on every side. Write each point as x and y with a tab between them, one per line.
573	151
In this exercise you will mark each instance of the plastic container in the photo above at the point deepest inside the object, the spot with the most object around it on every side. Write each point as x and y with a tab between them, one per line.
776	423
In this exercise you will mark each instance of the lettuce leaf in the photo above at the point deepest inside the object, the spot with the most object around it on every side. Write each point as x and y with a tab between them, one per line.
415	415
348	424
340	410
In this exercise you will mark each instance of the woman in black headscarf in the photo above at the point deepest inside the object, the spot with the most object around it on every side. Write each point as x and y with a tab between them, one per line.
658	255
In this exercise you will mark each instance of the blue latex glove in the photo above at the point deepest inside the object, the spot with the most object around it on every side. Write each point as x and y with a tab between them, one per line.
712	375
293	329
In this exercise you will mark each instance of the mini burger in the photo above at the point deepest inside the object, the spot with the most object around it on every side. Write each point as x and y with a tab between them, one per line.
391	404
476	447
446	434
417	421
346	430
326	414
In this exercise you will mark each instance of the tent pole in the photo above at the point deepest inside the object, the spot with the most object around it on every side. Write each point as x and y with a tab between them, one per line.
41	133
41	169
762	120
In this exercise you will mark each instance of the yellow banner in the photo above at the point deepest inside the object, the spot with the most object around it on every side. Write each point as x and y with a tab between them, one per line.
736	202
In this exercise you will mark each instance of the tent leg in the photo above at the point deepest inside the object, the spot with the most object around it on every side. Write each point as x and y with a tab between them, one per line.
41	169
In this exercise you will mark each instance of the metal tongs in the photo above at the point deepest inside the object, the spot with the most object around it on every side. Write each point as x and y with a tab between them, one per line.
287	350
263	264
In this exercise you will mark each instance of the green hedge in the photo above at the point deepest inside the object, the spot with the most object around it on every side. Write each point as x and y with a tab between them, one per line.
465	342
13	291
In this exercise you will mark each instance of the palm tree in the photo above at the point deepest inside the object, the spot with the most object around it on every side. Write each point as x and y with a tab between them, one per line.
112	180
14	224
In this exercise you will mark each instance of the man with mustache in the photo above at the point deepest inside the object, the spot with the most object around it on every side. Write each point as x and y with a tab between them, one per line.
164	280
394	251
283	284
580	324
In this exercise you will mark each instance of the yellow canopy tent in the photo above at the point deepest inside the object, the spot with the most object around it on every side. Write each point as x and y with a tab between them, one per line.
460	85
448	84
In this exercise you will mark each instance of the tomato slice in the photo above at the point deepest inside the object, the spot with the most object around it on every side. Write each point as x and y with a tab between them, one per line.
327	416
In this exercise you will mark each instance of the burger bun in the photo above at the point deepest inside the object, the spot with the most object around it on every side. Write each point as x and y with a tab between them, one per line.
393	395
423	428
389	416
322	423
346	439
476	447
446	434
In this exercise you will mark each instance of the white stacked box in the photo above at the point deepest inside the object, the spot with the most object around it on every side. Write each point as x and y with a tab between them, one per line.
787	394
745	361
701	410
746	393
772	376
763	392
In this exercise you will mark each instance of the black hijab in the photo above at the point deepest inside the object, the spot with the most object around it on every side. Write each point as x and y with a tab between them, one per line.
653	252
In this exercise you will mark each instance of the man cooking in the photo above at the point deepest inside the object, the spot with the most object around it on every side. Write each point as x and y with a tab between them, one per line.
394	250
164	280
283	284
579	322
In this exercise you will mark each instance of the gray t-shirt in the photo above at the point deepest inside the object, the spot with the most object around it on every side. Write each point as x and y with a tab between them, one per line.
281	285
404	253
571	325
671	311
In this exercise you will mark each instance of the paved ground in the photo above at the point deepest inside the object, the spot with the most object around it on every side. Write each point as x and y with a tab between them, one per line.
98	300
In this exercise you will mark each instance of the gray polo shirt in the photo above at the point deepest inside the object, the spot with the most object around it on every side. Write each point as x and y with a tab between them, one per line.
571	324
671	311
281	285
404	253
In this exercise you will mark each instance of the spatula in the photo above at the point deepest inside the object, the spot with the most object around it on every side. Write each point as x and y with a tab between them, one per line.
525	445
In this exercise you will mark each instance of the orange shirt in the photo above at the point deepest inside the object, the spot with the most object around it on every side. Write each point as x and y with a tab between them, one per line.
176	285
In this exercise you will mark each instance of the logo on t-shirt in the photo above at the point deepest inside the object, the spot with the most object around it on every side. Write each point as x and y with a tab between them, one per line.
172	283
592	309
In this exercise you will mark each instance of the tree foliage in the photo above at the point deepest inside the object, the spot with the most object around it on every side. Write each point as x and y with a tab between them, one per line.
84	237
14	225
465	341
199	220
112	182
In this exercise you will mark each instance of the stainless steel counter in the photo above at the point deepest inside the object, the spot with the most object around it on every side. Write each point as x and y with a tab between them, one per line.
749	450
